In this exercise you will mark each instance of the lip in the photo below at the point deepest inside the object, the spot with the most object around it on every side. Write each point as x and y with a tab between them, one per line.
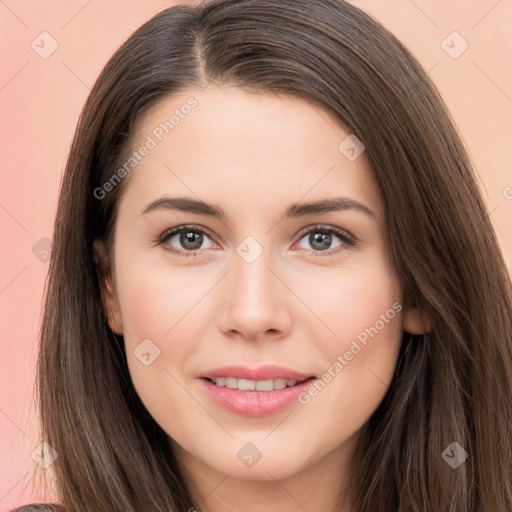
264	372
255	403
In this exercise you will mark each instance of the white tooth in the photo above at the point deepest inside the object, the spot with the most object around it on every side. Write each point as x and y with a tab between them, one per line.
264	385
279	383
231	383
251	385
246	385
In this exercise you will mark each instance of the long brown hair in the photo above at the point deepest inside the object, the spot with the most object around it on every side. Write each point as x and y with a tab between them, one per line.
453	384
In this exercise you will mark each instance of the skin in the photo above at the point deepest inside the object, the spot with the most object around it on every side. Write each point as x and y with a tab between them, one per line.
255	155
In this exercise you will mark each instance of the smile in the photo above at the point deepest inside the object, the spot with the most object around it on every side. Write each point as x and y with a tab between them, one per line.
254	398
253	385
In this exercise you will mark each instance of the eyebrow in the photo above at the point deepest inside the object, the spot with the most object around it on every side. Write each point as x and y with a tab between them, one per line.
190	205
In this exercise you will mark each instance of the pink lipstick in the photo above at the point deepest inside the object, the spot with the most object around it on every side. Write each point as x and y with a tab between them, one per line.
255	392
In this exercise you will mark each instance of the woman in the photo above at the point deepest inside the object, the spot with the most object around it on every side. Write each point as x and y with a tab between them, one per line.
197	355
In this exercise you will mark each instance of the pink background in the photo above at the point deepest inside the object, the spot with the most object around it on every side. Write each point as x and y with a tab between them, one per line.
40	101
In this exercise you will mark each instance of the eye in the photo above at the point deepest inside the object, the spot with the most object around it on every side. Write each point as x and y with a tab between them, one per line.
190	238
321	239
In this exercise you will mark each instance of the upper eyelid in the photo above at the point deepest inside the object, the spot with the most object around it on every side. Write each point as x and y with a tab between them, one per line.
192	227
326	227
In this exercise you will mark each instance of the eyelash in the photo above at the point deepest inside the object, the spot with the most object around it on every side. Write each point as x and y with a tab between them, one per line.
348	240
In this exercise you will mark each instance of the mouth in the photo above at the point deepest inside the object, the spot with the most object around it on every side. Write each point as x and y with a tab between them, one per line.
266	385
270	391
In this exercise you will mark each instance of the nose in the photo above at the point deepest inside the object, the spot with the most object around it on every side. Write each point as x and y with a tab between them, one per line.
256	305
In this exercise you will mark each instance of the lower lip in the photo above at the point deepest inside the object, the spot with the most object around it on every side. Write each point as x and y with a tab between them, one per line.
255	403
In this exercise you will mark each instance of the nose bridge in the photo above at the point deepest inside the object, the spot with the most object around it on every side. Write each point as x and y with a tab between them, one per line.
252	279
255	302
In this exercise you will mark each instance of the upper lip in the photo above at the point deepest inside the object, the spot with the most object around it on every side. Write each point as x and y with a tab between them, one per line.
265	372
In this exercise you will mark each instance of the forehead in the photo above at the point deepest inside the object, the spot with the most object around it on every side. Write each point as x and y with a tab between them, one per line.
238	149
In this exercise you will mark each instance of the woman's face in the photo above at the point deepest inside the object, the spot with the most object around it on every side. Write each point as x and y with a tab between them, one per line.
257	280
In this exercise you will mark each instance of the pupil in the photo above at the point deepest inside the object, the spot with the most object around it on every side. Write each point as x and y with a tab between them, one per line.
189	240
324	240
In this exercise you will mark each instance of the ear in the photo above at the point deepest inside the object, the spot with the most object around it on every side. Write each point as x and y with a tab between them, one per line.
417	321
108	291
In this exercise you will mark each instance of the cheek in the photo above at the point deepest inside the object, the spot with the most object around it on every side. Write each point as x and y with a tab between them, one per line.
362	350
158	319
156	304
369	308
354	299
156	301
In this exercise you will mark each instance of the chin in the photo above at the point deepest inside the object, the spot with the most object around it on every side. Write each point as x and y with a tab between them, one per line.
259	460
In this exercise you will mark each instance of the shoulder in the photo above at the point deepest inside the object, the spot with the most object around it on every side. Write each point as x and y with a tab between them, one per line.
38	507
